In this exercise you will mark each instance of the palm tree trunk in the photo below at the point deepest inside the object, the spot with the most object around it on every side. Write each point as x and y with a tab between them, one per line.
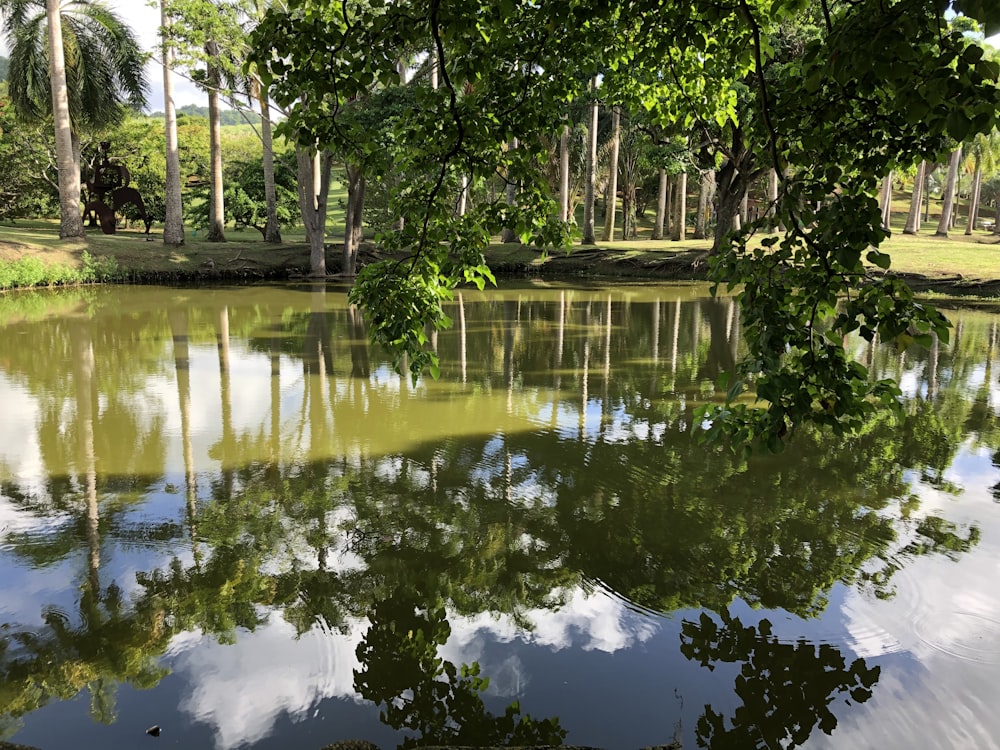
272	229
886	201
913	217
977	184
661	205
772	194
463	196
609	214
680	226
511	197
70	216
564	174
589	237
216	205
704	200
173	225
948	203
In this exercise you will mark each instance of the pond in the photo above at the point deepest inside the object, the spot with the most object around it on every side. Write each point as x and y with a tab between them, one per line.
223	514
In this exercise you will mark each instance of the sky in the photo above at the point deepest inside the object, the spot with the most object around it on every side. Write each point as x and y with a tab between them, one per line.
145	21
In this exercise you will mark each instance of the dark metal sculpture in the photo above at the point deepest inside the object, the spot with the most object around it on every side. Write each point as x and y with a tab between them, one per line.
108	178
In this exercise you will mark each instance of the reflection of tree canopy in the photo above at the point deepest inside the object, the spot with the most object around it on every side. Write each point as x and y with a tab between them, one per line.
109	643
423	693
488	521
786	688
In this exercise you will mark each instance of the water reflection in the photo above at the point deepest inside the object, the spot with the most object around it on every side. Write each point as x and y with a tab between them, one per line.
786	688
230	488
424	693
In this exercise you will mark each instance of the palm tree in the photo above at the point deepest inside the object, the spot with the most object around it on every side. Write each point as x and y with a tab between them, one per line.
948	197
173	224
609	211
984	152
589	237
79	63
913	217
216	205
70	220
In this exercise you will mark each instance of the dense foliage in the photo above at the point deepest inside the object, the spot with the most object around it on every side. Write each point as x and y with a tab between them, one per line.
878	85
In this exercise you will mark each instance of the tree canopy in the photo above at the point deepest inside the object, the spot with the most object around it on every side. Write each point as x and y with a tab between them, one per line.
878	85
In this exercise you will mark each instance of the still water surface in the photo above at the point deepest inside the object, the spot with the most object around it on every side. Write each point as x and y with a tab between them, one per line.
222	513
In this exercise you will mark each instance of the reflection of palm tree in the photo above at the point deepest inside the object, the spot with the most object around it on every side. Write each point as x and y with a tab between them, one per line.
226	449
107	646
182	366
462	335
83	377
275	440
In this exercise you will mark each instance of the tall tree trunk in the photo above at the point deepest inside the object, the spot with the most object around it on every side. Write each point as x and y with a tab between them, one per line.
913	217
463	196
668	209
313	180
612	204
404	78
272	229
680	226
948	204
353	219
704	201
772	194
589	237
977	184
564	174
216	203
731	189
70	214
173	225
661	205
511	196
886	201
926	191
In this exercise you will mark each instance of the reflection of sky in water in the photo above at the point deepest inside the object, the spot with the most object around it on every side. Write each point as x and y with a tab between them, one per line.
937	641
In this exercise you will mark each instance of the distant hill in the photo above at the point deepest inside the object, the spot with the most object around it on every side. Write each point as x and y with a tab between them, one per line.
228	116
4	64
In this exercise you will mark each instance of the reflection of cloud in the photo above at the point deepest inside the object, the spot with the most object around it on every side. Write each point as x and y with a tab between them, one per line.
919	711
21	454
592	622
27	593
242	689
945	618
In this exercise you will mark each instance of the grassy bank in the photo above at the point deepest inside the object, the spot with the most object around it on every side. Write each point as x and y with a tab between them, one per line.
964	264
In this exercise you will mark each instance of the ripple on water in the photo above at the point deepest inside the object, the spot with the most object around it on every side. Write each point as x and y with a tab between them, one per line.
964	635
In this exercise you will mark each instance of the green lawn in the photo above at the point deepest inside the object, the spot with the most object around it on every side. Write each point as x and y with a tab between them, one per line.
969	259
